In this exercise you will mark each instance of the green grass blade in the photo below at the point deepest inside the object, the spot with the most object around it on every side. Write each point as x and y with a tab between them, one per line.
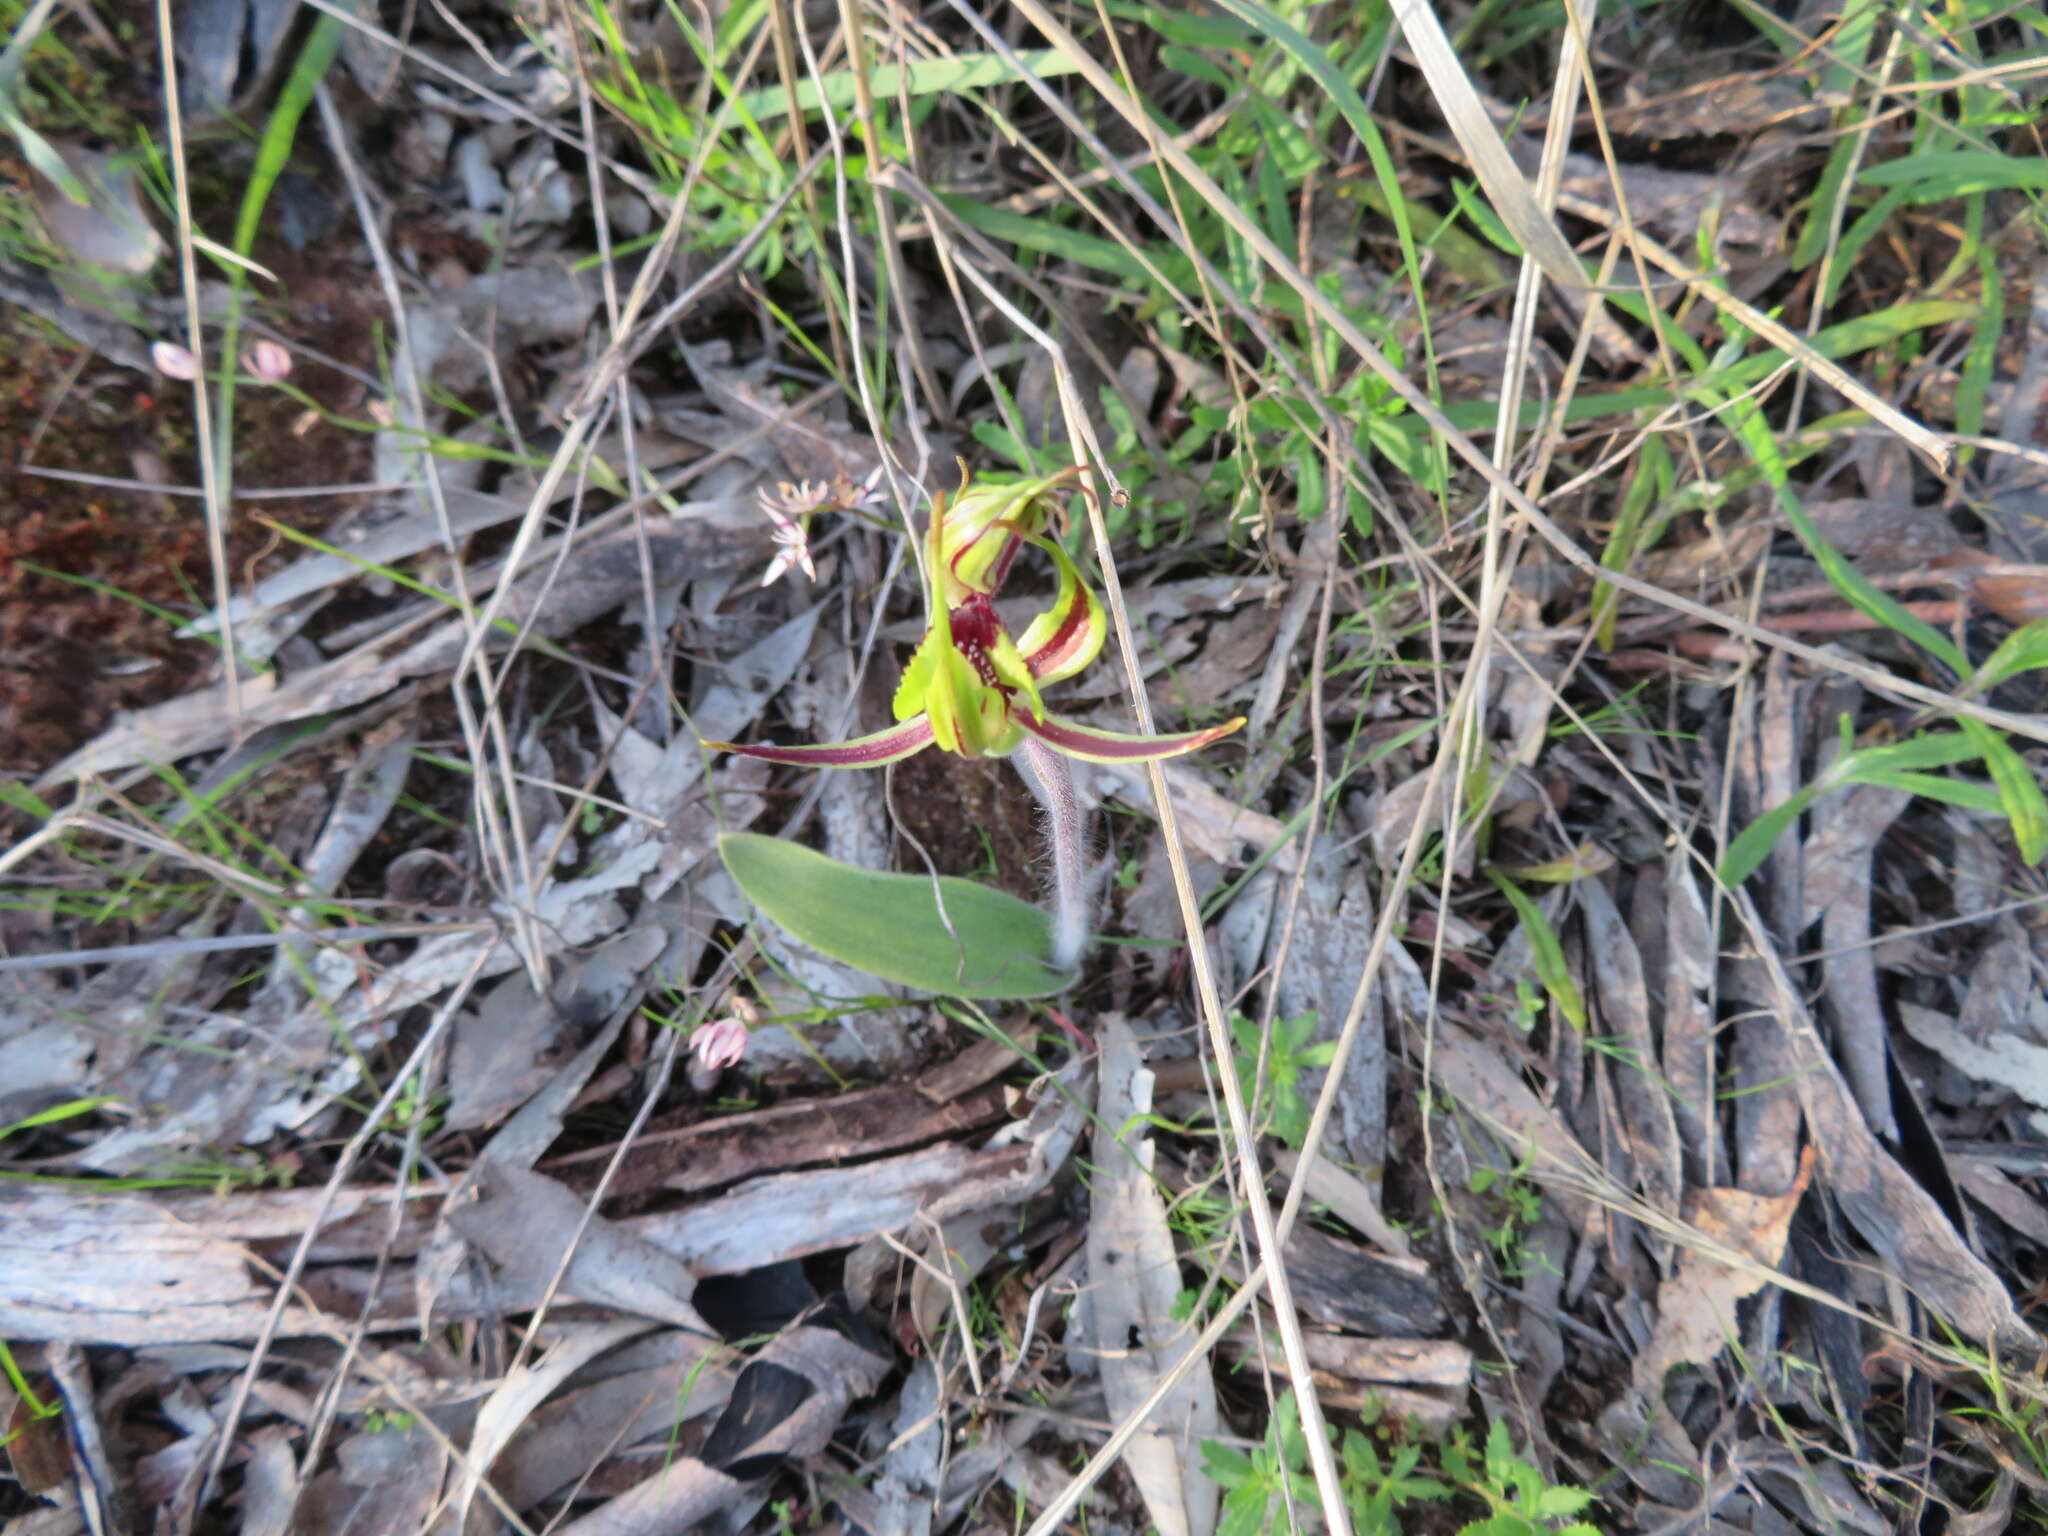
1939	175
924	77
1551	968
1975	797
2019	792
1648	485
1754	843
2025	649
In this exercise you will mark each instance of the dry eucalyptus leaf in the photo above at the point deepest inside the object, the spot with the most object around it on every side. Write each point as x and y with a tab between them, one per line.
1135	1275
110	230
526	1223
1624	1000
1696	1306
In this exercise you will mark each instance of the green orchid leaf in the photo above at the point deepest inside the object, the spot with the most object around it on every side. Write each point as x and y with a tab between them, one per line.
958	940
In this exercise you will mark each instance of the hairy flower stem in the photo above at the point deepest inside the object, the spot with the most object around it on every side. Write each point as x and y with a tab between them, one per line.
1052	781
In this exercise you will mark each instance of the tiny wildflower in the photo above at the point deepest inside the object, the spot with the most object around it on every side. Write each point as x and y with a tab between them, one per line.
808	497
268	361
720	1043
794	541
790	507
799	500
173	361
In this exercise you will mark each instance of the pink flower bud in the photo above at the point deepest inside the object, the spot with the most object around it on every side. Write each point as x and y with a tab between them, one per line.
718	1044
173	361
268	361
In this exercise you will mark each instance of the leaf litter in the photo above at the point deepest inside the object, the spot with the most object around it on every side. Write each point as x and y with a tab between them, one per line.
1687	1141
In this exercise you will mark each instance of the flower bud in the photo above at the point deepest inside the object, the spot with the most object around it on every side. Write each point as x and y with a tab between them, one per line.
268	361
719	1044
173	361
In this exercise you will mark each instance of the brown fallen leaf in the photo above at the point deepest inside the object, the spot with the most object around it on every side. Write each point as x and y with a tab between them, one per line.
1696	1306
1490	1088
1427	1379
633	1395
1624	1002
785	1404
1689	1026
1839	871
1912	1236
530	1228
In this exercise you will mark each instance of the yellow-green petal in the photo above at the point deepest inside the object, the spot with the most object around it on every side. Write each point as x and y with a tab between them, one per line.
1067	636
1014	672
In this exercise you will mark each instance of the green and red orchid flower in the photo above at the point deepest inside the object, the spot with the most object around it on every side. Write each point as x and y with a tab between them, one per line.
971	688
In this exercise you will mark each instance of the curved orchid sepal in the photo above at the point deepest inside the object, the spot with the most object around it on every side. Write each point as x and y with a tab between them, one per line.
1070	738
890	746
1068	635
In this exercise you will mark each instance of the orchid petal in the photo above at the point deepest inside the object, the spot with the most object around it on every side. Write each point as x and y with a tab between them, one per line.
173	361
1074	739
268	361
1068	635
1012	671
892	745
916	682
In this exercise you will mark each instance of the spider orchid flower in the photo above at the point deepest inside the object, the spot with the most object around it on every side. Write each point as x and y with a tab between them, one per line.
971	688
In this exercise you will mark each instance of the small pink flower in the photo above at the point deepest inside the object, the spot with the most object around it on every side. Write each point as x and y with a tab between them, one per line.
791	507
795	550
800	500
268	361
720	1043
839	494
173	361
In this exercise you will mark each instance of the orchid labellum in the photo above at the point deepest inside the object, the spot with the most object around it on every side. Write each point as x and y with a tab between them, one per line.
971	688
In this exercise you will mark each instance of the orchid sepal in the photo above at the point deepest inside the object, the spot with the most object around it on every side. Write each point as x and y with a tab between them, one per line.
890	746
1072	739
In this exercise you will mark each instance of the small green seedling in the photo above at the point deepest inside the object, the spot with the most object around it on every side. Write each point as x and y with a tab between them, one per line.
1251	1481
1291	1050
1524	1501
1380	1482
